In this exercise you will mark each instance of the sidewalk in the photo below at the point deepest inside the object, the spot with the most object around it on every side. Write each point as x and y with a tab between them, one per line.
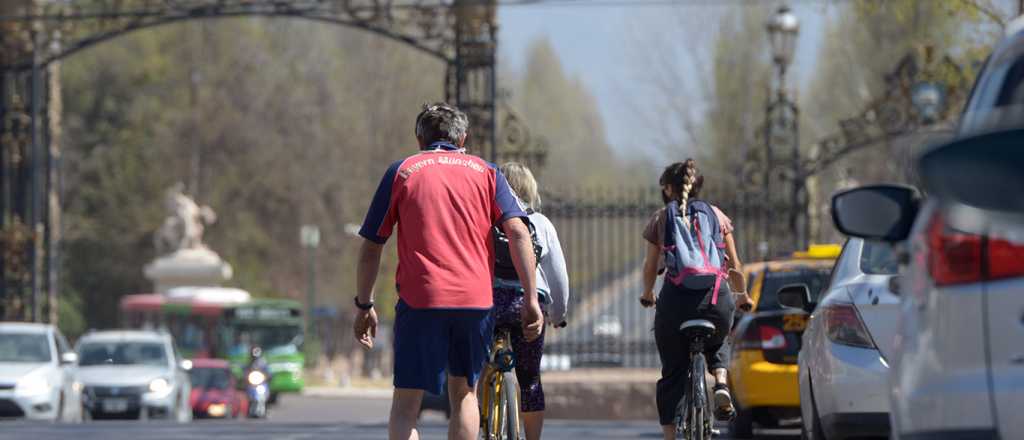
348	392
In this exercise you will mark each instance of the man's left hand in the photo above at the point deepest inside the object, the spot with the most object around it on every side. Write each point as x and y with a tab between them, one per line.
365	327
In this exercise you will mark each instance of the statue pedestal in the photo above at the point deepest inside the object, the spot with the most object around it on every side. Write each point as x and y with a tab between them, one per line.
188	267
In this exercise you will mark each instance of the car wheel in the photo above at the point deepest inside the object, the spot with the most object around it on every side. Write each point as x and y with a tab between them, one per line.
742	426
60	409
85	415
811	429
184	412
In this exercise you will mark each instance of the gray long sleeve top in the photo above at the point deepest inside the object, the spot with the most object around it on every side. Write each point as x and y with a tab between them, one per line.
552	275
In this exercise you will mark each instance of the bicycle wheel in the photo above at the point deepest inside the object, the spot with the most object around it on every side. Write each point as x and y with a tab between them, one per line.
700	429
510	396
491	407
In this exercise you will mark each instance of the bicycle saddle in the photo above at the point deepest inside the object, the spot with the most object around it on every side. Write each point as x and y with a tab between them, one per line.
697	327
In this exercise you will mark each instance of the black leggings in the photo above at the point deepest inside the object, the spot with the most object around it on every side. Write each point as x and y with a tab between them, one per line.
675	306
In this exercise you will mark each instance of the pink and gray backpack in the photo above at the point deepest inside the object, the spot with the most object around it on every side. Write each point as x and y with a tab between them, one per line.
694	249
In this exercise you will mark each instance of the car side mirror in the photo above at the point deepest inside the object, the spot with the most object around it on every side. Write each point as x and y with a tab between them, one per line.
878	212
982	171
69	358
796	296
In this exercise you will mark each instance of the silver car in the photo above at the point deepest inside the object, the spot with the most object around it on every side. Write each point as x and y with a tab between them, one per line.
36	373
133	374
843	362
958	364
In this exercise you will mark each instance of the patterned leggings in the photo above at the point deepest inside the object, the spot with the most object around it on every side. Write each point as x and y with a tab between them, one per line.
508	304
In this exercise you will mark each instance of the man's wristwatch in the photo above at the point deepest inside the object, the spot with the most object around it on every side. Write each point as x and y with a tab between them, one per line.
361	306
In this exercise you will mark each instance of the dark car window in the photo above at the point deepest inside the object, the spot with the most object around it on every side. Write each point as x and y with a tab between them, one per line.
878	259
24	347
122	353
815	278
210	378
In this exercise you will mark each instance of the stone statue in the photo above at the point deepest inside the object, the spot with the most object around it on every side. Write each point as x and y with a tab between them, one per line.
183	227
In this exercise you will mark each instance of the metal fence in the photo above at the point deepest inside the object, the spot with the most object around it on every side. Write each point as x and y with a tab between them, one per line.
600	231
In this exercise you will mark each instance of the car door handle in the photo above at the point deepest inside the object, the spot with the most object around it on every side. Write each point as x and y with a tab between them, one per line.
1017	360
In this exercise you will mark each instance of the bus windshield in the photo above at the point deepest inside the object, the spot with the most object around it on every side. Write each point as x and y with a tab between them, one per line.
276	338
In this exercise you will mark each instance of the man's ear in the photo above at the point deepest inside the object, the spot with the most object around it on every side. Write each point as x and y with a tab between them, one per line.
462	141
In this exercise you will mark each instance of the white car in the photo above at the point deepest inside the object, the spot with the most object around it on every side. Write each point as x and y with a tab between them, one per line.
958	364
36	373
843	367
134	374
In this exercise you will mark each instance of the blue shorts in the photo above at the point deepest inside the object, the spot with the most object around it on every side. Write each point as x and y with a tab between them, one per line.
429	342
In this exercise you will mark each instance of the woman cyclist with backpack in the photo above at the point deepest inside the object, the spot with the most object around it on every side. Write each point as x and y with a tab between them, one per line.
552	286
688	292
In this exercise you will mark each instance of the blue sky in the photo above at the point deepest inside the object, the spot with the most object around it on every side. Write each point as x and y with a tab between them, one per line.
596	44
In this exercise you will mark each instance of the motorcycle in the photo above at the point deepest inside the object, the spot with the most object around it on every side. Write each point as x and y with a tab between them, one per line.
258	390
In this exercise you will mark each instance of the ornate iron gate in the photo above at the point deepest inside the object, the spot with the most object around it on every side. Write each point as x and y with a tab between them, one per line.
36	34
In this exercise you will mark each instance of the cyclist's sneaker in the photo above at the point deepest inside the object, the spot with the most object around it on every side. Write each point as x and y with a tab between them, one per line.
724	409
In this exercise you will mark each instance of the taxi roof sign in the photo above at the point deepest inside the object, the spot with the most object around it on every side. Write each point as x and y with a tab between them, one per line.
820	251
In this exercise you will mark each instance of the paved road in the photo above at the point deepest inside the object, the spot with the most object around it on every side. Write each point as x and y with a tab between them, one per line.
299	418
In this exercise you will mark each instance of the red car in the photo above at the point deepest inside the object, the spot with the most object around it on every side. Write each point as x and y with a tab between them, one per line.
214	391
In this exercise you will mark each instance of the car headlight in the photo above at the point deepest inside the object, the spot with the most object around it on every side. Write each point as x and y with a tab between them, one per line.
160	387
32	386
217	410
257	377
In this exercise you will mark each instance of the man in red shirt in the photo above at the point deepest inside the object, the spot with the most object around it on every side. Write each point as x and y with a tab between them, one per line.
444	203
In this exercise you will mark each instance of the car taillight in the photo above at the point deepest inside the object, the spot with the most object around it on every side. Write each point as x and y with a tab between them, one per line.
772	338
956	257
761	337
844	326
1005	259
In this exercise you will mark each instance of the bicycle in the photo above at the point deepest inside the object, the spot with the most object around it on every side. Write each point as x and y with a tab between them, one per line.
499	401
694	418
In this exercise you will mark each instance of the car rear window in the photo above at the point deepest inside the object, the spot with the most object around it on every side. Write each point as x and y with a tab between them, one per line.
816	279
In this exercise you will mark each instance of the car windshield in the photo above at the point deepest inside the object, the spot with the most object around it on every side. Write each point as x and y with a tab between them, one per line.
816	279
878	259
214	378
122	353
24	347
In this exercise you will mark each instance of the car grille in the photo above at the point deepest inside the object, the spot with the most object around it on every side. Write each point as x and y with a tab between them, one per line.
10	409
105	391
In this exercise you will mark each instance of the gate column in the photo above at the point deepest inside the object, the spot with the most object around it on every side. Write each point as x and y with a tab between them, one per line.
471	81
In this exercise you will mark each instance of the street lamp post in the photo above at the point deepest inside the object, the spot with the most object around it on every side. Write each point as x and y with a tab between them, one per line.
782	113
309	236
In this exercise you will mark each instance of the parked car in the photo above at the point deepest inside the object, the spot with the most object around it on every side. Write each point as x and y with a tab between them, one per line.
36	373
133	374
215	390
843	366
766	341
958	362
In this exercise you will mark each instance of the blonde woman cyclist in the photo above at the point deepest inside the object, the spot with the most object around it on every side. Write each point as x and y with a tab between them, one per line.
552	286
682	182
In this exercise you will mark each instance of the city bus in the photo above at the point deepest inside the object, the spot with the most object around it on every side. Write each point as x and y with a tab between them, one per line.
215	322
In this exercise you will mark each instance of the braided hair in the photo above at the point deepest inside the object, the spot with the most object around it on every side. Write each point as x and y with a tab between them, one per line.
684	181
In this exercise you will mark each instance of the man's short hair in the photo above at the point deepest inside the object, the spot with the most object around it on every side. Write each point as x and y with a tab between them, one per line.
440	122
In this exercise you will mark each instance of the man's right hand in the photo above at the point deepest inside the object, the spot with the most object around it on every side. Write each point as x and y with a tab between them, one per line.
533	320
365	327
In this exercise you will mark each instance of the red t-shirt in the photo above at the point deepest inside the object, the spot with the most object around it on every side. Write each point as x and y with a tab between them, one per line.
444	203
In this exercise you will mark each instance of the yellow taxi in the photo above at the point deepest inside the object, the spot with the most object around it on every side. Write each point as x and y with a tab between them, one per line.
766	341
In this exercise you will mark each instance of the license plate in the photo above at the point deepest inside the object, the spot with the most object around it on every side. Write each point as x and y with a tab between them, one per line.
115	405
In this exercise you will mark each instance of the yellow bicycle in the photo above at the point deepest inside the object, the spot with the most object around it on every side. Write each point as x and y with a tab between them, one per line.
499	393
